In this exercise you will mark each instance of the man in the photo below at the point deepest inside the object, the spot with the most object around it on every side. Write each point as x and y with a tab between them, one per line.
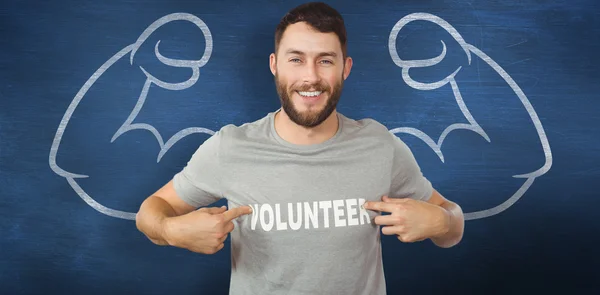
305	185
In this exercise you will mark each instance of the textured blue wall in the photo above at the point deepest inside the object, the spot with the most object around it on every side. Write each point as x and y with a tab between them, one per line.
519	77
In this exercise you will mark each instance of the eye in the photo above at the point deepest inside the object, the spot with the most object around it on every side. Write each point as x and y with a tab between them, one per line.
327	61
294	60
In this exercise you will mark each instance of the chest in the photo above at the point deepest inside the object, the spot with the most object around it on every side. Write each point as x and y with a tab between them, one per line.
308	199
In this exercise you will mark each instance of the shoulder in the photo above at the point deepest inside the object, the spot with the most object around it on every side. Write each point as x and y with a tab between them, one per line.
234	136
370	128
376	132
375	126
364	124
245	130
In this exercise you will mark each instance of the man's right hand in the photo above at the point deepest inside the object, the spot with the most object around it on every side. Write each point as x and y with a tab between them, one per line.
203	230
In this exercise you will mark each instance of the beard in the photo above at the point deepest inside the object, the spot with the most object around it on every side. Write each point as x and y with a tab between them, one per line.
309	118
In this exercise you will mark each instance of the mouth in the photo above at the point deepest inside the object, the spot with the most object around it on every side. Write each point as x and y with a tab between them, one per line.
310	96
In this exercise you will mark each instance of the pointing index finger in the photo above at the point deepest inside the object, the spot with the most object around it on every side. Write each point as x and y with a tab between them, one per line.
234	213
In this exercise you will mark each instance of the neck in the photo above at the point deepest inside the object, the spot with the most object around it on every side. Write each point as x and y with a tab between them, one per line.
296	134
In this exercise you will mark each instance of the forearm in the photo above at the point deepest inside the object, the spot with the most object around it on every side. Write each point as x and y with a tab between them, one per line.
150	219
456	225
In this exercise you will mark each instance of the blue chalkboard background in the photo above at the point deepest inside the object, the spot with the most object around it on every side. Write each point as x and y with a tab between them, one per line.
71	74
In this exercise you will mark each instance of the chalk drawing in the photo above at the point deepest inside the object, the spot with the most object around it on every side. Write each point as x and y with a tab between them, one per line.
128	125
406	65
195	65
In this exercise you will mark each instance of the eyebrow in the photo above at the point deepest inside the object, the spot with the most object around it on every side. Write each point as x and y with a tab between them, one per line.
321	54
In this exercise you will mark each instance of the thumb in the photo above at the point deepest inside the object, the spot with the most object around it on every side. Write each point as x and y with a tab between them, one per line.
213	210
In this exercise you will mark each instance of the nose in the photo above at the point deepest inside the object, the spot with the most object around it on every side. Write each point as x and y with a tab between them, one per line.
310	74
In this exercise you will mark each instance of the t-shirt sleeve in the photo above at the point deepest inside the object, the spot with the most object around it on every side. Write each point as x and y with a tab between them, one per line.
199	182
407	179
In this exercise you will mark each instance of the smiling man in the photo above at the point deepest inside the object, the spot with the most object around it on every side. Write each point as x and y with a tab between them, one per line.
305	185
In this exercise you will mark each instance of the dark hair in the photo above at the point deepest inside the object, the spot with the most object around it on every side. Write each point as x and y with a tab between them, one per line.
318	15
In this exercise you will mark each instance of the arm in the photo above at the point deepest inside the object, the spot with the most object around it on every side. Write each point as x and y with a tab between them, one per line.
452	222
196	185
168	217
155	210
444	218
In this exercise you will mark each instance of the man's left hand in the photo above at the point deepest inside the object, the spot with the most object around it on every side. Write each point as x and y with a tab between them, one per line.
410	220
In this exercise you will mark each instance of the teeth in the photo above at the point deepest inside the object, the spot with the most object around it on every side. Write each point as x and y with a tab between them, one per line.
311	93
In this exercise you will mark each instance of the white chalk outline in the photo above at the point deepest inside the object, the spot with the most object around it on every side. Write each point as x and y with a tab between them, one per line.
473	125
128	125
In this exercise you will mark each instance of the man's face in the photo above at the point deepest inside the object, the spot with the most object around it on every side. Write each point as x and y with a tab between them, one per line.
309	71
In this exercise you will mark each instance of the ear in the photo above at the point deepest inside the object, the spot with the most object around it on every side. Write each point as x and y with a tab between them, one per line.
273	63
347	67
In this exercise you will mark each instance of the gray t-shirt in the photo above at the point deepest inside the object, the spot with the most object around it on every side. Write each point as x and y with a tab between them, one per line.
307	233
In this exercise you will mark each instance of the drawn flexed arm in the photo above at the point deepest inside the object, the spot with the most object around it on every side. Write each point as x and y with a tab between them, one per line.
471	124
128	53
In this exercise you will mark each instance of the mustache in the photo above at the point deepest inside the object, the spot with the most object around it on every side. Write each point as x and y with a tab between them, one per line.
311	87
